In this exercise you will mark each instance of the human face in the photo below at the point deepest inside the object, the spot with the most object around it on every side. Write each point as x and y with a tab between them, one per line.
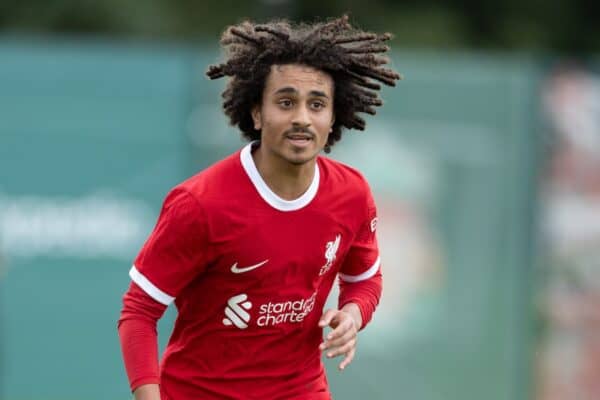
295	116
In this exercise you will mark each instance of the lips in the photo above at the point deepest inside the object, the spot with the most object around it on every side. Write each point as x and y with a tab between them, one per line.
299	137
299	140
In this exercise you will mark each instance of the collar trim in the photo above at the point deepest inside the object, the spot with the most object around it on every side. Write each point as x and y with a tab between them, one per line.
267	194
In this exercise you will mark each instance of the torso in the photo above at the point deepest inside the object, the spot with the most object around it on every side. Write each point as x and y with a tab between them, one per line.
251	316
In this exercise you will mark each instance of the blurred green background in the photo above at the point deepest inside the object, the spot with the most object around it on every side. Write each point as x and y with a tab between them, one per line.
104	106
564	25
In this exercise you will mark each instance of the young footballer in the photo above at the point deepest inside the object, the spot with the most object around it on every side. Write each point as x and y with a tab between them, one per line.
249	249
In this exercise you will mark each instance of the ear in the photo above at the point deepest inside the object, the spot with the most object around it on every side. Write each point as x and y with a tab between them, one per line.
332	122
256	117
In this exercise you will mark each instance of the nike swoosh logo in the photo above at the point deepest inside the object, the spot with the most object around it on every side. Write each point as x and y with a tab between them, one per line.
236	270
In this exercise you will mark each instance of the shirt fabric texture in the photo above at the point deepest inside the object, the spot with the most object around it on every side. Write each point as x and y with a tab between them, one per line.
249	273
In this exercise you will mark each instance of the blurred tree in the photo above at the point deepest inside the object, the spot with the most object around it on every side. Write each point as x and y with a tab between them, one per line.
560	25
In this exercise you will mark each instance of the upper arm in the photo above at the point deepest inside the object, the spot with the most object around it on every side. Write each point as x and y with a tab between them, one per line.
176	251
362	261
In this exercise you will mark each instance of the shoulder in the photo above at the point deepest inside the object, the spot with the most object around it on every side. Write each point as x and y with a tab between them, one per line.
345	192
205	197
342	176
216	181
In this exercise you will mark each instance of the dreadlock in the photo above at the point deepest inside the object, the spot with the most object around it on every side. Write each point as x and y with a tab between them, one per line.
353	58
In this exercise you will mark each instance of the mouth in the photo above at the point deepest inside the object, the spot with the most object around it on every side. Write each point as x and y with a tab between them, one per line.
299	139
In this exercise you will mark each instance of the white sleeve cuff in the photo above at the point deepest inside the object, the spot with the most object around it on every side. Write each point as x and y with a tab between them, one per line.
149	287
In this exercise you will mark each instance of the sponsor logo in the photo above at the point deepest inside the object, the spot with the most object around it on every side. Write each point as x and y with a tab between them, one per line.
373	224
269	314
331	249
236	270
272	314
236	311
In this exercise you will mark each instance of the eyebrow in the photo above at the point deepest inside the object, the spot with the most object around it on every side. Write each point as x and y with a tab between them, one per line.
291	90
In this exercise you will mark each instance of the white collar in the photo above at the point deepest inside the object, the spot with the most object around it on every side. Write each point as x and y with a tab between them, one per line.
266	193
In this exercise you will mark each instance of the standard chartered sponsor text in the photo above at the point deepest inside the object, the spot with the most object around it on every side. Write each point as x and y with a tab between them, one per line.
291	311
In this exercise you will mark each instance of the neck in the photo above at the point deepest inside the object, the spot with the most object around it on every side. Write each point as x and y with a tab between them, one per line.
288	181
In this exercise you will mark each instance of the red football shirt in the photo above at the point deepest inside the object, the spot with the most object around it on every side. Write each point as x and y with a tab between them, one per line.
249	273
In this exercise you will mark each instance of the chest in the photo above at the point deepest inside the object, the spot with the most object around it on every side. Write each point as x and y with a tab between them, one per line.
266	250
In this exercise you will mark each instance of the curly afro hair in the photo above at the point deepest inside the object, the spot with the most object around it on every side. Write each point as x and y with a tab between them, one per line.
352	57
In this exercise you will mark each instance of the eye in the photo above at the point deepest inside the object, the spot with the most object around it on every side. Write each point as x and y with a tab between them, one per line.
285	103
318	105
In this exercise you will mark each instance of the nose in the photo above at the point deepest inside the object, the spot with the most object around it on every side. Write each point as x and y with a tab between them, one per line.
301	117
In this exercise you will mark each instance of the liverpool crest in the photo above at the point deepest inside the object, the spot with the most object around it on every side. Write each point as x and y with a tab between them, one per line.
331	249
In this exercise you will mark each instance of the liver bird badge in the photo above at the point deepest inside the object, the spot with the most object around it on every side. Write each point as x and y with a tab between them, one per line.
331	249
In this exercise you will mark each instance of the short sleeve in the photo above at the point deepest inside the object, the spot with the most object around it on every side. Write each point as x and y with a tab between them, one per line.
176	251
362	261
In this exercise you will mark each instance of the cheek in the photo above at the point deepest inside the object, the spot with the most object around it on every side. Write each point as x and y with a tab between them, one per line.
323	123
274	120
273	127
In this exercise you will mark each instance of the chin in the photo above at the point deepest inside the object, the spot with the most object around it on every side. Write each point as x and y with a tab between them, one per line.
299	161
300	158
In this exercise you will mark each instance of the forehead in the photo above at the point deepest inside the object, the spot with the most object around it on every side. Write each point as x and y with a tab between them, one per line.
300	77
